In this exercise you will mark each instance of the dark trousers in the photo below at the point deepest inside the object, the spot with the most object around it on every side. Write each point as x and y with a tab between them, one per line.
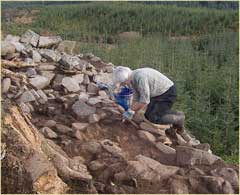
160	105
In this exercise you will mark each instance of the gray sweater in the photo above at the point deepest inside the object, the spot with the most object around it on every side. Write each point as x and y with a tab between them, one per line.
148	83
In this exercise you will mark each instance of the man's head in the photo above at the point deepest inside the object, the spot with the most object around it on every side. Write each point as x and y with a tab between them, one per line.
121	75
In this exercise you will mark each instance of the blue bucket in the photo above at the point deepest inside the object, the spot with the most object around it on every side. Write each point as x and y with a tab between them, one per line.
124	98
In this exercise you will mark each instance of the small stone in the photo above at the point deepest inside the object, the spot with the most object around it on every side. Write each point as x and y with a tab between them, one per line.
79	126
146	136
83	97
66	46
36	56
7	48
39	82
48	74
82	110
50	123
11	38
93	101
106	78
63	129
95	59
31	72
86	80
43	96
50	55
92	88
30	37
47	42
96	165
24	108
83	88
49	133
27	96
93	118
70	62
103	94
147	127
78	78
79	135
5	85
70	84
46	67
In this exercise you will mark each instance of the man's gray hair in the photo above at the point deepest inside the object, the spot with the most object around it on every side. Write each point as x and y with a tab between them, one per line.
121	74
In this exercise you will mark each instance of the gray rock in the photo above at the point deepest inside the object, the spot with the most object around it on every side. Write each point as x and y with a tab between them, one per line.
29	61
19	46
92	88
47	42
6	83
36	95
66	46
7	48
96	165
178	186
93	118
49	133
79	126
25	108
50	123
83	97
102	94
93	101
12	38
70	84
79	135
70	62
83	110
146	136
112	148
228	174
43	96
104	78
83	88
50	55
191	156
78	78
57	82
30	37
48	74
86	80
31	72
27	96
46	67
39	82
147	169
63	129
91	148
36	56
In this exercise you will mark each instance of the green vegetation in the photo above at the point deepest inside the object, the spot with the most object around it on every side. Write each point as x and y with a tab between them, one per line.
196	47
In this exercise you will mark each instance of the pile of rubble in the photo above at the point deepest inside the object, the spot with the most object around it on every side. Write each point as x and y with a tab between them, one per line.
68	136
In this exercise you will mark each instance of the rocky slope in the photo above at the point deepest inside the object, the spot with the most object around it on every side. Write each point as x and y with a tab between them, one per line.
64	135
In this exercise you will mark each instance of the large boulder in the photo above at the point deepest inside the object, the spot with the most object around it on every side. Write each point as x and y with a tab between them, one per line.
83	110
30	37
192	156
148	170
48	42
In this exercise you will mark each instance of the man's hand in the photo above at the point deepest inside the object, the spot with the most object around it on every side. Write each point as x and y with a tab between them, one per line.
128	114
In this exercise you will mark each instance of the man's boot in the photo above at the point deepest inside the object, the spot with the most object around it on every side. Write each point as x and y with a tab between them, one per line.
176	118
